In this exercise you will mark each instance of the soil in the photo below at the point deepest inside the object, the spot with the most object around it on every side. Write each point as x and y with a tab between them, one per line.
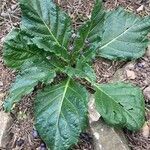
22	130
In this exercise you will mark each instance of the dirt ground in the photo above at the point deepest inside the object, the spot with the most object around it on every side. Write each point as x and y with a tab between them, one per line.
24	136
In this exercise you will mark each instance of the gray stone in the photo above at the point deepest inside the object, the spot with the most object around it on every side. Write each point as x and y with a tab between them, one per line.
1	83
125	72
5	124
107	138
119	75
130	74
147	92
93	113
140	8
130	65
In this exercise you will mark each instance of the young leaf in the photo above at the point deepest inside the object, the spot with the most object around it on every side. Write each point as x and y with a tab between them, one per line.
61	114
32	73
124	36
121	105
50	26
91	30
82	70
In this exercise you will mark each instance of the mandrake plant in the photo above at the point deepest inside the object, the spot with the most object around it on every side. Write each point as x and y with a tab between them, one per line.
39	51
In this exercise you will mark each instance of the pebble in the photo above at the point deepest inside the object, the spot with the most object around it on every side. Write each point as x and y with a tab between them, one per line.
141	65
20	142
43	146
9	10
130	66
140	8
145	82
13	7
96	134
3	14
147	92
130	74
35	134
145	131
1	83
93	113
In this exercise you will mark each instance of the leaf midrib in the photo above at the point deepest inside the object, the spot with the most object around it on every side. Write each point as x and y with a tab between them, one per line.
48	28
95	85
61	103
108	43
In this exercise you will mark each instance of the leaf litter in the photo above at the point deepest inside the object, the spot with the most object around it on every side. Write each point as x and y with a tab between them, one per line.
79	10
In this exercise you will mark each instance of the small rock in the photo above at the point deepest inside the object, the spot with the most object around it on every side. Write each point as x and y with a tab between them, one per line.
96	135
107	138
9	10
43	146
20	142
145	82
130	74
93	114
70	48
130	66
147	92
140	8
118	76
145	131
1	83
3	14
141	65
74	35
35	133
13	7
5	124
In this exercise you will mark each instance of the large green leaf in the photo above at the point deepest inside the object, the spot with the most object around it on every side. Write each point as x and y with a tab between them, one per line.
121	105
124	36
19	48
32	73
91	31
17	51
61	114
50	25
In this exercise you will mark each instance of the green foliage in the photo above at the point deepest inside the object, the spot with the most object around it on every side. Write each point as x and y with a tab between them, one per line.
120	104
50	26
38	50
61	113
124	36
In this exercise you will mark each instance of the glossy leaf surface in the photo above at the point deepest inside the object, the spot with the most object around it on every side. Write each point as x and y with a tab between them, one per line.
17	51
90	33
61	114
50	26
125	36
121	105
